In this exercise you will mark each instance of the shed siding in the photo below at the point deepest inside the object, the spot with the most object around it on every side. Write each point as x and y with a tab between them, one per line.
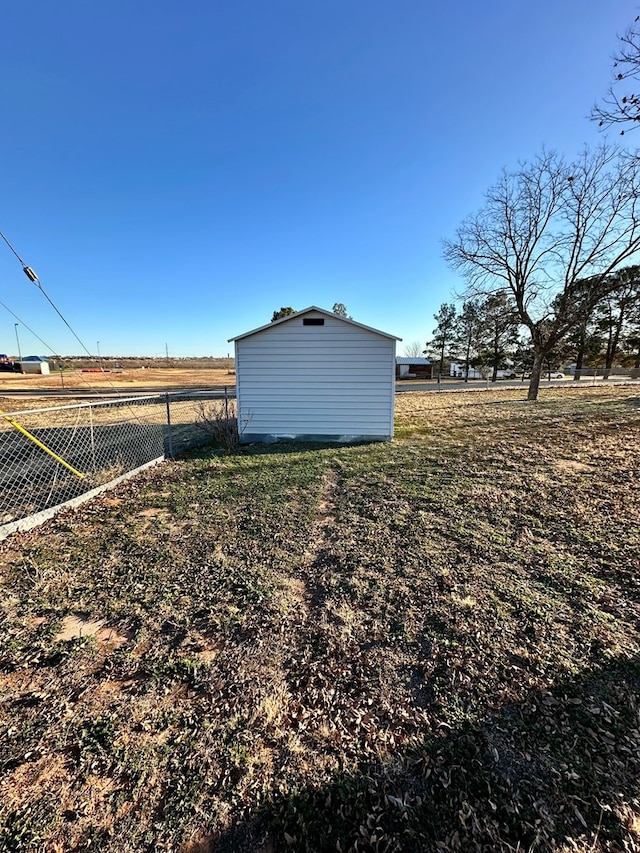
335	380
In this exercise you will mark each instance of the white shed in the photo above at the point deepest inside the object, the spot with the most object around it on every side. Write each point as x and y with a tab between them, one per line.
34	364
315	376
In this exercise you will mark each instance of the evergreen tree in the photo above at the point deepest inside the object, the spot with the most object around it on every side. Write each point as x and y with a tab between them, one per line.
283	312
468	329
340	309
443	336
498	338
613	313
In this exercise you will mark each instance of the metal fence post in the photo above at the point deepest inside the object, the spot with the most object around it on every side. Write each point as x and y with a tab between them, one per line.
169	436
93	440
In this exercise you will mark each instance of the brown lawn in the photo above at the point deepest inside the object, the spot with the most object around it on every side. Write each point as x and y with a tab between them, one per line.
427	645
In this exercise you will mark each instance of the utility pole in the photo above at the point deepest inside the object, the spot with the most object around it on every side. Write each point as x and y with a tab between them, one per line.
15	326
99	359
166	350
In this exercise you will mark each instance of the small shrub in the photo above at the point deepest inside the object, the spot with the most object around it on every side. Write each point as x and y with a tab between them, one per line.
218	419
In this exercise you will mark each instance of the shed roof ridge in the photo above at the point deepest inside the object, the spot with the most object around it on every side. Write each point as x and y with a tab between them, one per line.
321	311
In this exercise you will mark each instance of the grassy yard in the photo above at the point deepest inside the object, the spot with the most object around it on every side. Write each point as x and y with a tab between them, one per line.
424	645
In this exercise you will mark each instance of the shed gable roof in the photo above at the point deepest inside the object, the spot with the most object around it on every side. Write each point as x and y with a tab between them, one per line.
290	317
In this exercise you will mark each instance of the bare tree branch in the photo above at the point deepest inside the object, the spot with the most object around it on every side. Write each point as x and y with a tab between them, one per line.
621	106
551	233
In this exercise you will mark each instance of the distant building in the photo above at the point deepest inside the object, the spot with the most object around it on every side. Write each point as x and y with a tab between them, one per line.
459	371
35	364
408	367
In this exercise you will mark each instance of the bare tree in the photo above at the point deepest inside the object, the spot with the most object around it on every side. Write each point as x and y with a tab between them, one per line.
621	104
413	350
550	234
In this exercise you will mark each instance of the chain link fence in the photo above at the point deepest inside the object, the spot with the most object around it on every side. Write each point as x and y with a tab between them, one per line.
56	455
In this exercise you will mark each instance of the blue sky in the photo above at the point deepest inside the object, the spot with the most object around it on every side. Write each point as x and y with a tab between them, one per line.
175	172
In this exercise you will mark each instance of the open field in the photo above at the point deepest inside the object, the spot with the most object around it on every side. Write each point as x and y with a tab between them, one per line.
424	645
133	379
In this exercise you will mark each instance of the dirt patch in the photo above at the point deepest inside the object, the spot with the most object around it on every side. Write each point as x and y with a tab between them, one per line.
75	627
154	512
202	648
33	779
572	466
294	595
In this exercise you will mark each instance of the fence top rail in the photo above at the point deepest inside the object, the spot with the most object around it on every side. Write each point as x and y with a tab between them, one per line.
20	412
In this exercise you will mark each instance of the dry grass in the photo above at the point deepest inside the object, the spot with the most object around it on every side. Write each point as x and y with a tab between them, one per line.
426	645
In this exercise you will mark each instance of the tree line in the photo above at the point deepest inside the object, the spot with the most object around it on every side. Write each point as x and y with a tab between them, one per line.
485	334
